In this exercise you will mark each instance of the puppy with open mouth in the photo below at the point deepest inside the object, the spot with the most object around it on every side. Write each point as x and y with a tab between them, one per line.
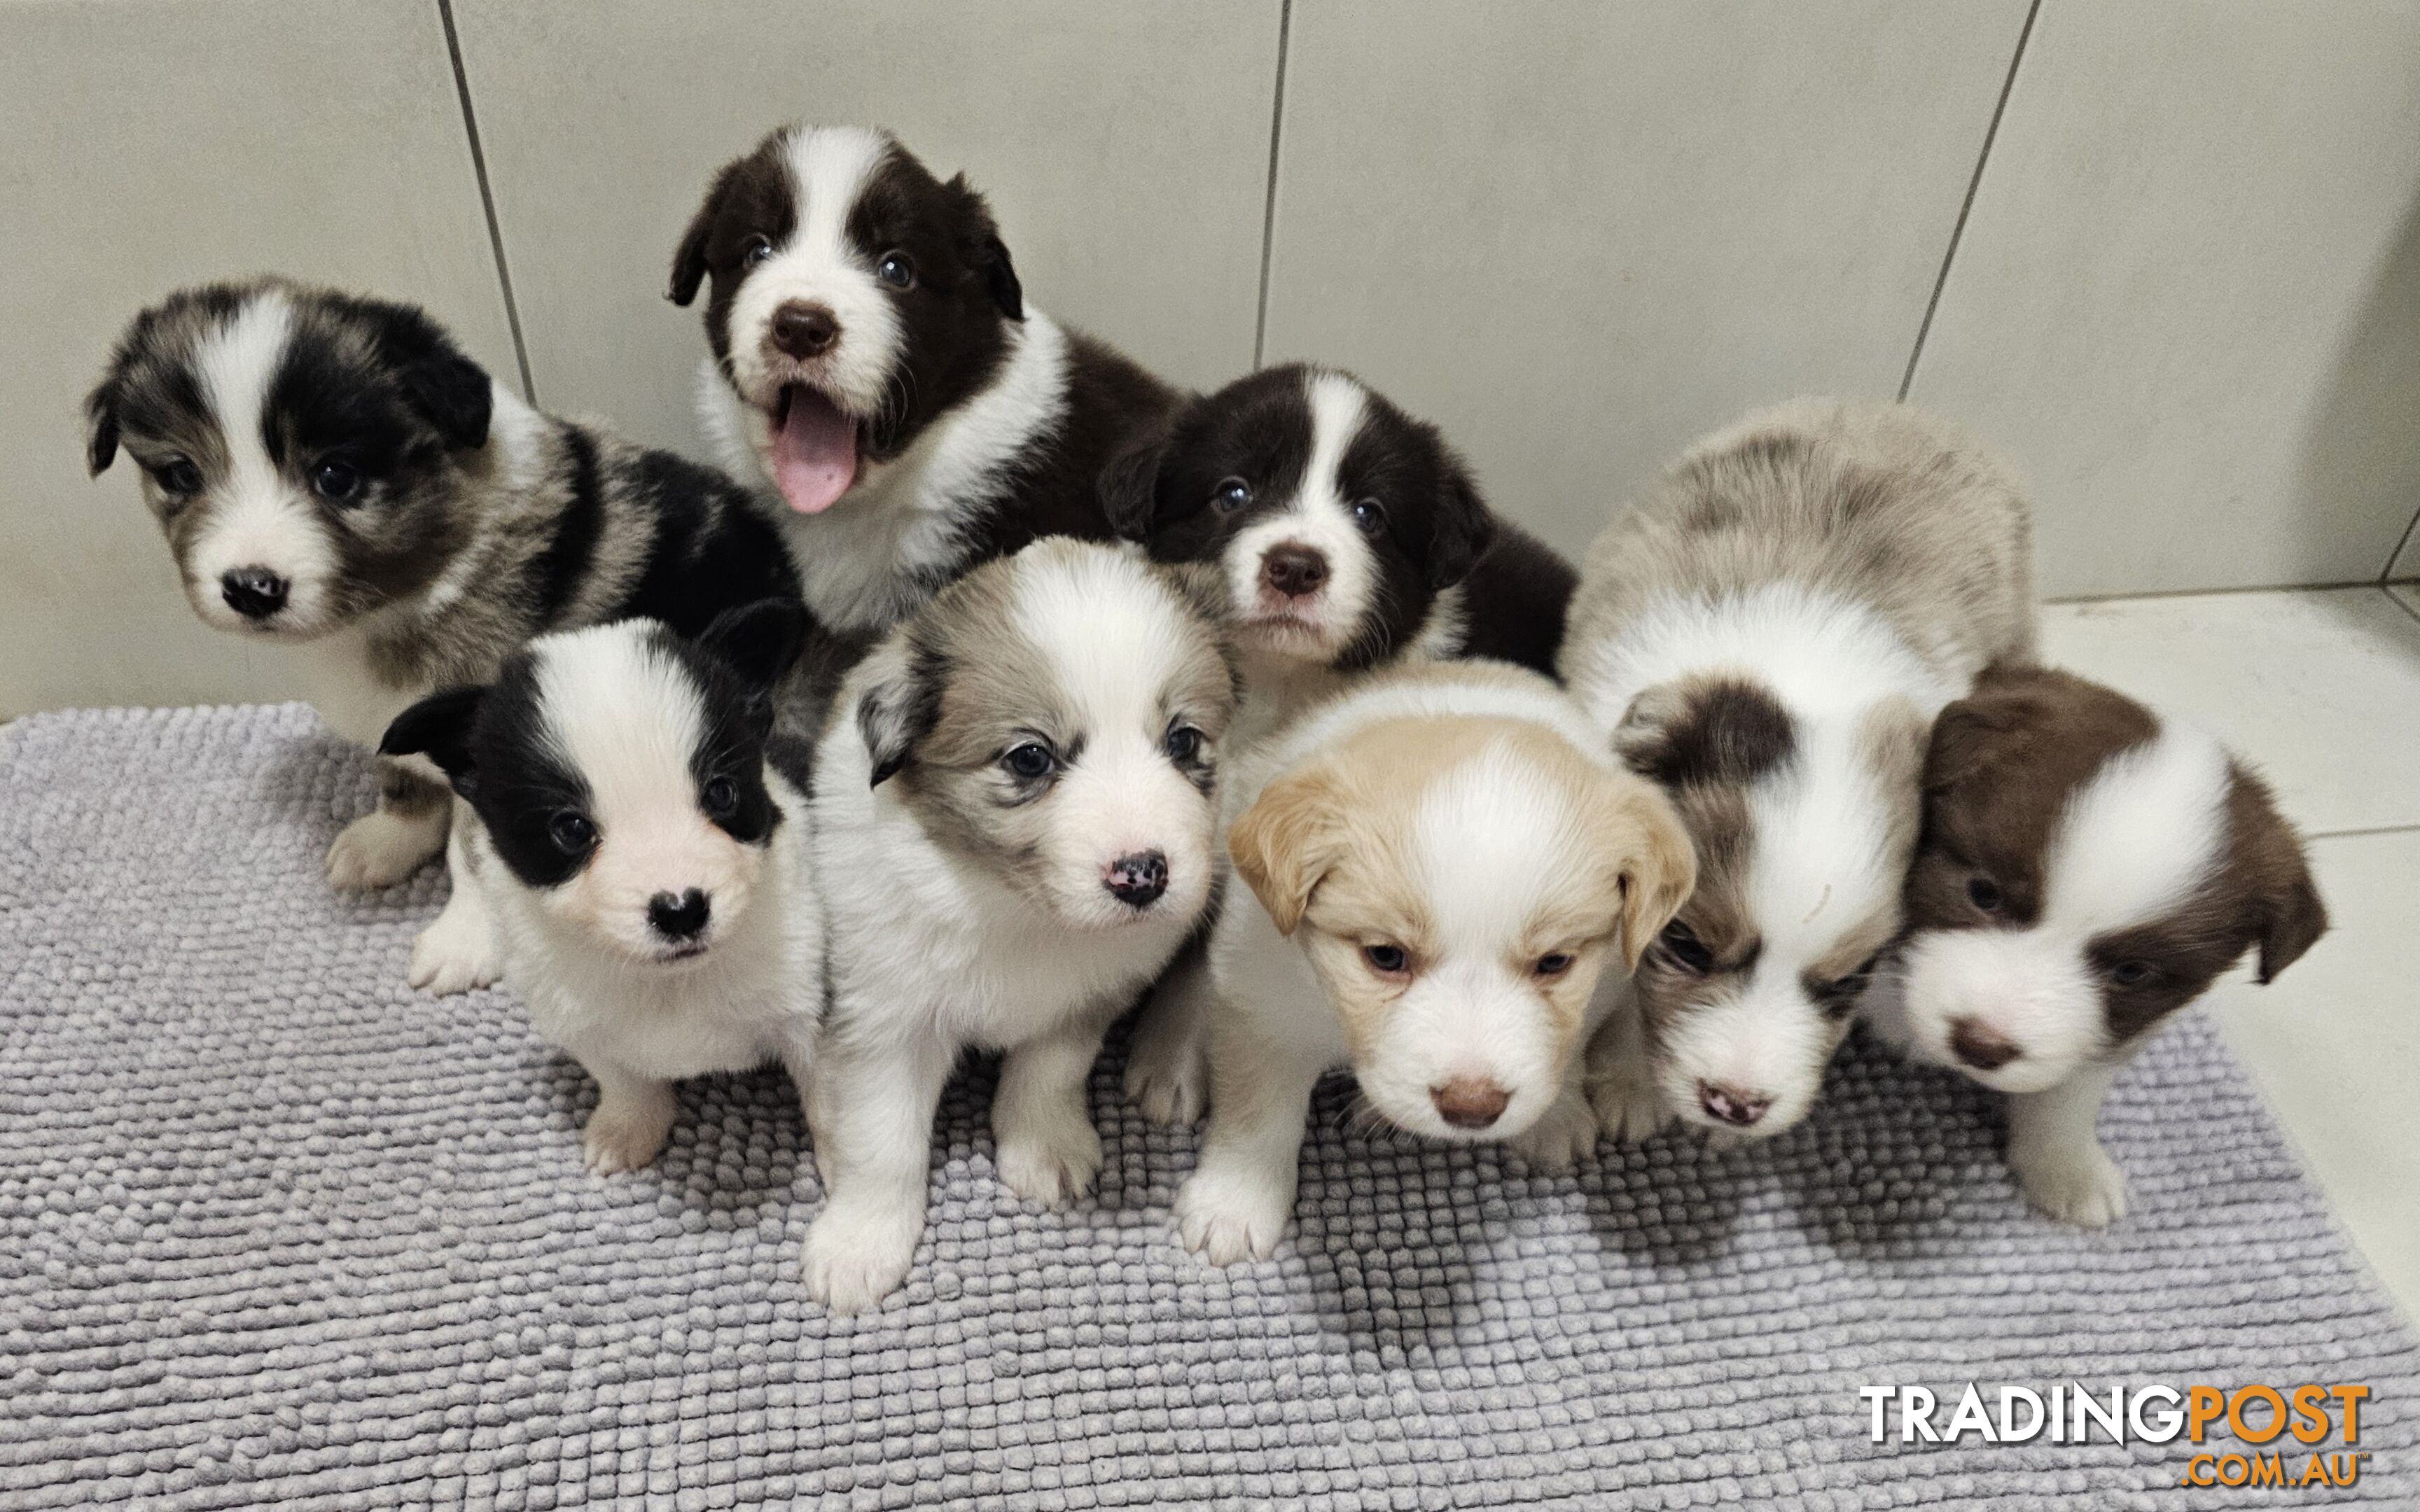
2088	868
1441	863
875	366
644	864
1013	809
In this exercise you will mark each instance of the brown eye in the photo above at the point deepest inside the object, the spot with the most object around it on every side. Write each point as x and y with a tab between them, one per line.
179	477
1229	495
1555	964
753	250
2132	973
1682	946
896	271
572	833
1387	960
1985	894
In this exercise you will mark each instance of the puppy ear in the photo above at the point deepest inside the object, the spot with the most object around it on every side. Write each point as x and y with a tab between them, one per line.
1129	482
451	392
1463	529
439	728
901	705
979	236
758	640
1288	841
2286	916
100	425
1704	729
1000	279
1658	869
688	258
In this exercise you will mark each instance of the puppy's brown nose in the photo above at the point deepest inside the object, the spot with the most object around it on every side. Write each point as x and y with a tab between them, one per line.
1469	1102
1733	1106
1981	1046
1294	570
803	331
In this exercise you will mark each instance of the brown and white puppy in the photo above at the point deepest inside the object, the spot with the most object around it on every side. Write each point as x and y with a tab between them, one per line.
1769	634
1440	864
1016	806
876	366
2088	868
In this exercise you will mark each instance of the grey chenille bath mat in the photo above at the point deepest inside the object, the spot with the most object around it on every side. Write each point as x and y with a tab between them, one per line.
275	1231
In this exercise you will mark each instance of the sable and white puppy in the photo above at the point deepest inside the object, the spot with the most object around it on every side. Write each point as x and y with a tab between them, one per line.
876	365
646	868
2088	868
1769	634
1441	862
1018	821
333	474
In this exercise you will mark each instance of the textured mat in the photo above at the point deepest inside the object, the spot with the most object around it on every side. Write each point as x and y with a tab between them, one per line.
274	1231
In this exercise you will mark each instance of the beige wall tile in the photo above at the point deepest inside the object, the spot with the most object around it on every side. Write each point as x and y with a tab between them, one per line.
1577	234
2188	299
1125	151
153	145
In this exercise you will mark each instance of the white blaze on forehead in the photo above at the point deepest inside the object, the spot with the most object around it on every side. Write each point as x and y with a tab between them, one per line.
829	168
236	363
1497	838
624	714
1317	518
2135	841
1113	633
1821	860
1338	406
829	165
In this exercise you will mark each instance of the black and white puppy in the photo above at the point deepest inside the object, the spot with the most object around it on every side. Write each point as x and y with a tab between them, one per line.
1019	823
333	474
645	867
876	366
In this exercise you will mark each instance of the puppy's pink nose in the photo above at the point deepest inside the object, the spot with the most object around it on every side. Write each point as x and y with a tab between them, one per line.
1469	1102
804	329
1732	1104
1981	1046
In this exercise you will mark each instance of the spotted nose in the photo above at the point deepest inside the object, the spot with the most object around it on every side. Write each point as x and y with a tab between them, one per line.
1469	1102
804	330
1294	570
255	593
1978	1044
1733	1106
1137	880
681	917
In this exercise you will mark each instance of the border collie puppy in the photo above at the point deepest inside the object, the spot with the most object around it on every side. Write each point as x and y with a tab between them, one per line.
332	473
875	366
1769	634
1018	817
646	868
2087	869
1441	862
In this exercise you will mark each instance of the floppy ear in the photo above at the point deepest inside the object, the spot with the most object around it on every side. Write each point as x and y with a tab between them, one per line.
455	394
1462	530
2287	917
1288	841
1000	279
1658	869
979	241
898	709
100	425
1129	482
758	640
439	728
688	258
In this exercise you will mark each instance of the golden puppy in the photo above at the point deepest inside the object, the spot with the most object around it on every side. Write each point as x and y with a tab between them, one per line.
1441	862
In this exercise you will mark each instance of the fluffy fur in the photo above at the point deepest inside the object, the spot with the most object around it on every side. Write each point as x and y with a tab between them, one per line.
643	869
1769	634
2087	869
1022	807
875	366
333	476
1440	864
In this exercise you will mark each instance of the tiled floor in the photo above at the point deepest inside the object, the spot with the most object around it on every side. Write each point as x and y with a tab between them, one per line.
2322	690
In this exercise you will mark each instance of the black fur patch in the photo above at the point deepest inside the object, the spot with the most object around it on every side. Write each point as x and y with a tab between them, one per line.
557	572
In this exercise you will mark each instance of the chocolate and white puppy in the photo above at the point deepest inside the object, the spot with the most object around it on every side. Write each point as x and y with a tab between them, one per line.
333	474
876	366
644	865
2088	868
1769	633
1014	803
1440	863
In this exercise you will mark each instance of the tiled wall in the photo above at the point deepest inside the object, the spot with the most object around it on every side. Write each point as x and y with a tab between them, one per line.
2164	253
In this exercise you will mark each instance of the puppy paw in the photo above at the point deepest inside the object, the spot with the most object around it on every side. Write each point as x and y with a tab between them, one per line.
1052	1164
1227	1216
1171	1082
455	954
1628	1107
379	849
1564	1136
627	1133
853	1260
2073	1184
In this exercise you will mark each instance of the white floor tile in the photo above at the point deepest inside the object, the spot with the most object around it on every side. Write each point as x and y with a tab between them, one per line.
2320	690
2335	1044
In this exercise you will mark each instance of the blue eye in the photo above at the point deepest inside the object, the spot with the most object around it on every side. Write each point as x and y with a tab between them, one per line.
1030	761
896	271
1387	960
1229	495
1371	515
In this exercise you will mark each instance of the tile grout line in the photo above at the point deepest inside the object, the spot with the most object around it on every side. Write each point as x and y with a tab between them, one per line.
488	199
2401	543
2357	834
1966	205
2212	593
2398	601
1269	204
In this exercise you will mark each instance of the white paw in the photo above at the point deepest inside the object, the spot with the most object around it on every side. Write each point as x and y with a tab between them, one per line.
379	849
456	953
853	1260
626	1136
1564	1136
1169	1079
1628	1107
1052	1163
1230	1216
2075	1183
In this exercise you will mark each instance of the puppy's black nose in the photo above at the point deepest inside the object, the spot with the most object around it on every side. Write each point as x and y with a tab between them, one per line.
1732	1105
803	331
680	917
1137	880
1294	570
255	593
1469	1102
1981	1046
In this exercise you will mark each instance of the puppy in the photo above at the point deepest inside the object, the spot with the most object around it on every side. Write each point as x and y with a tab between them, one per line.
1022	807
333	474
875	366
2087	869
1441	862
1769	634
646	868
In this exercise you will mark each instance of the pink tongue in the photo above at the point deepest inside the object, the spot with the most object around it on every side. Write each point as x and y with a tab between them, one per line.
815	453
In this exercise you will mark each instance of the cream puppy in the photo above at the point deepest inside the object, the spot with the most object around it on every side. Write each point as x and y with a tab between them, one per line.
1440	863
1018	817
643	867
